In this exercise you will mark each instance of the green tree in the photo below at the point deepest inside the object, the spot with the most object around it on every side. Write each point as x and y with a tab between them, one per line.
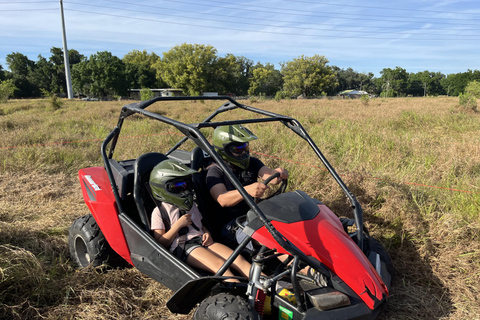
350	79
473	88
308	76
59	82
43	75
232	74
469	98
266	80
241	80
226	74
102	75
139	66
377	86
7	89
2	73
57	59
425	83
365	81
395	81
146	94
454	84
81	77
415	84
20	68
19	64
435	85
190	67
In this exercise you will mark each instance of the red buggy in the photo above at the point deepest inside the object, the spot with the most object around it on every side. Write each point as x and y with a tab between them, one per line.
353	270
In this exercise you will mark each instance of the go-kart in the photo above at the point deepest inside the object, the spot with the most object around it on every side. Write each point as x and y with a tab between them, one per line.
349	272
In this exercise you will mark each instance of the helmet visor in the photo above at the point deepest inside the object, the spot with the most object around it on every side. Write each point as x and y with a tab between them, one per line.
238	150
178	186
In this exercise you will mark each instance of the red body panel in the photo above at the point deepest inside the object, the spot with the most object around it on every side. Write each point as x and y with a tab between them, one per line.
98	195
325	239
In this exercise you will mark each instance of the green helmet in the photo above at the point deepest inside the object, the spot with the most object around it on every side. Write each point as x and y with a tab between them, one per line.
171	182
232	144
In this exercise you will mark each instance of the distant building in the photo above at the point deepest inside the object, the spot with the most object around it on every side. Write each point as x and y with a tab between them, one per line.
135	93
353	94
210	94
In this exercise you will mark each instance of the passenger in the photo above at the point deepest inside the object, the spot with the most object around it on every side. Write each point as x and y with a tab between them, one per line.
177	223
232	144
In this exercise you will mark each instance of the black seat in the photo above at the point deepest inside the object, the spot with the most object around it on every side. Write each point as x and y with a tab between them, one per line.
142	168
209	208
199	159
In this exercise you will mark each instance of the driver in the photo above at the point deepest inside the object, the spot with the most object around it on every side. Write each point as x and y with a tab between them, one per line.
232	144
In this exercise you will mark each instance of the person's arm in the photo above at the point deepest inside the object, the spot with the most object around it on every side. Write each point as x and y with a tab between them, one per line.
266	172
230	198
166	238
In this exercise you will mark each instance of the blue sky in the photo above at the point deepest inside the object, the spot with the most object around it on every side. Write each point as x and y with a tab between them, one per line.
369	35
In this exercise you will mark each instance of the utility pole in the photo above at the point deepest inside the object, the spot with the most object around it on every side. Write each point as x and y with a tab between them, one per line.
65	55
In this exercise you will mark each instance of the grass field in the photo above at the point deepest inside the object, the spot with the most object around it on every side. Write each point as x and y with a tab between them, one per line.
413	164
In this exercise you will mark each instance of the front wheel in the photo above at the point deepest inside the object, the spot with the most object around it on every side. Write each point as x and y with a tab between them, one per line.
225	306
377	247
87	243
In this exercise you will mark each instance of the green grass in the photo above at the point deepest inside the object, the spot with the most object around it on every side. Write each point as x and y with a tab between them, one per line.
414	165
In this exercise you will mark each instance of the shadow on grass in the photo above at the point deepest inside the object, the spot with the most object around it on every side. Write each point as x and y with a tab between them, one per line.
38	280
417	293
32	265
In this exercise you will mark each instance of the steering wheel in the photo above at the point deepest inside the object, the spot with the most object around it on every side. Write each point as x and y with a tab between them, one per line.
281	188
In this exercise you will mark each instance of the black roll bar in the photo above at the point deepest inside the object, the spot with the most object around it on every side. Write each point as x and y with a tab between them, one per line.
192	132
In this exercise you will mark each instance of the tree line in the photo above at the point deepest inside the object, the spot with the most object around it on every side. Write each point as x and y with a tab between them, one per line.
197	68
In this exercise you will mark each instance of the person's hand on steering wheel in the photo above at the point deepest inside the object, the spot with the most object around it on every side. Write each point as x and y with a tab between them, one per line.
256	189
283	175
276	177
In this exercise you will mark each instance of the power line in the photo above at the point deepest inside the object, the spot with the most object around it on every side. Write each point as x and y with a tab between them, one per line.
336	30
21	10
271	20
30	9
307	13
276	26
15	2
375	7
293	27
266	32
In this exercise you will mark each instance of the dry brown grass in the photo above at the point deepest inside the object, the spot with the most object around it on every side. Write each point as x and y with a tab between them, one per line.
432	234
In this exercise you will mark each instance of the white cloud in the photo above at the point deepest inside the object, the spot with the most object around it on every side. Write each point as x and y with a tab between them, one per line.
374	45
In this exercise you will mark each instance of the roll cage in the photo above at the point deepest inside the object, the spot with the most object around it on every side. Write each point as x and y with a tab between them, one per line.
192	132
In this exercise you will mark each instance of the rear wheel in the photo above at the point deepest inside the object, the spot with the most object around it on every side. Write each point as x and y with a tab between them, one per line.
87	244
225	306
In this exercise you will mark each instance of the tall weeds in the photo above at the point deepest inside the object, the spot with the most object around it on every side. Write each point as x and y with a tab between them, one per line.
413	164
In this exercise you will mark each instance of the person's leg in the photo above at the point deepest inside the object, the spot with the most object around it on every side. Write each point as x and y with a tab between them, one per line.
284	257
240	264
207	260
228	234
